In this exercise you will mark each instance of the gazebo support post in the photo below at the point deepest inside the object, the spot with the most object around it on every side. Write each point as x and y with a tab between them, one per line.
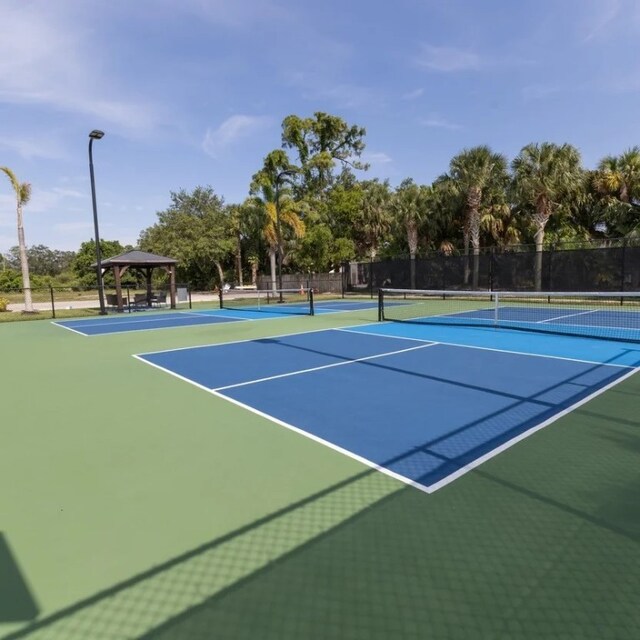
148	271
172	285
118	279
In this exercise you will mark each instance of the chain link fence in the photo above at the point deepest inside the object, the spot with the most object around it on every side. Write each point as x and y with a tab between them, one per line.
615	268
53	302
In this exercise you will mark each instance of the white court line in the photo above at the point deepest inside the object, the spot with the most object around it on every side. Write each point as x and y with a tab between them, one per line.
121	320
219	315
408	481
324	366
568	315
176	326
503	447
595	336
519	353
62	326
306	434
175	315
271	337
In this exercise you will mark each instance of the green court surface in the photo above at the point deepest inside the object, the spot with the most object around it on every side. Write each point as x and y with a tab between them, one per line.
134	505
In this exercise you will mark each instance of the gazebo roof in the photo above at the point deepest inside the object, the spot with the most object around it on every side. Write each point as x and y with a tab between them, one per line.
138	259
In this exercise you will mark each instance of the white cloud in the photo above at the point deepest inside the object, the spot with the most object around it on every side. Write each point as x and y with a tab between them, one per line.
437	122
231	130
69	193
320	86
376	158
30	148
604	14
447	59
539	91
49	56
74	226
412	95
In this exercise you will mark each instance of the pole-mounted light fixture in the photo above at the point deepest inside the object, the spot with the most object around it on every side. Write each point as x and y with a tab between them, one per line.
96	134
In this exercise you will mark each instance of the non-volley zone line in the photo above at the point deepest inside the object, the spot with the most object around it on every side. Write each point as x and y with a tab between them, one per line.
423	415
121	324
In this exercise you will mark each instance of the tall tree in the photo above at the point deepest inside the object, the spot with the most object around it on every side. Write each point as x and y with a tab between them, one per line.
196	230
374	220
545	177
83	263
43	261
272	194
411	206
617	185
23	194
475	173
321	143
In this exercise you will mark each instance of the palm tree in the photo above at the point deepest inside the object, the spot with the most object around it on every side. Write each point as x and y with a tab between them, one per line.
474	172
545	177
616	183
412	206
375	218
620	176
23	195
265	202
271	191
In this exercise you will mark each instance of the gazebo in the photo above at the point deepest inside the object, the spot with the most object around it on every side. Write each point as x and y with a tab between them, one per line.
141	261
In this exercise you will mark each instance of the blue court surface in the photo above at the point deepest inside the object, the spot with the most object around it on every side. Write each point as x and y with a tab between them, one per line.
424	404
145	321
605	323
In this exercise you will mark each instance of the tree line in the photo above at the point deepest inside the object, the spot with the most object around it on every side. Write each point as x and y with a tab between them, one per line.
310	207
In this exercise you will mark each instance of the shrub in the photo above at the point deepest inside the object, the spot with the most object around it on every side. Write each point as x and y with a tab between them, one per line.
3	304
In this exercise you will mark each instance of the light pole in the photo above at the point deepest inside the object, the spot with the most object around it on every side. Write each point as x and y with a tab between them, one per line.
96	135
279	176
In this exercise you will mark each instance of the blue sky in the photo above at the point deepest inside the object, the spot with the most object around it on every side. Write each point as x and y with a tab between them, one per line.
193	92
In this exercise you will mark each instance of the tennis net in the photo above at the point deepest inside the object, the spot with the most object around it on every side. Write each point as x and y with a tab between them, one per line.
287	301
610	315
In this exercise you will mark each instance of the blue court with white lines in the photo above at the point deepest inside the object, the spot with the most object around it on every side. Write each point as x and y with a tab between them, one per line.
422	403
148	321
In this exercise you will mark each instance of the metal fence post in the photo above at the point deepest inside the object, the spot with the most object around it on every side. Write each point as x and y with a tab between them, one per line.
53	304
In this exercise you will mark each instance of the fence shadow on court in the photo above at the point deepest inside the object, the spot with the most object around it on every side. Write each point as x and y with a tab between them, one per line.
511	546
17	604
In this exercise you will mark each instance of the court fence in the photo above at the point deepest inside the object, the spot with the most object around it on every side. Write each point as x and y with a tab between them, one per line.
319	282
53	301
602	269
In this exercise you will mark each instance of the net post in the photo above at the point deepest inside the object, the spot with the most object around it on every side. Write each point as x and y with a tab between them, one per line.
220	298
496	307
311	309
380	305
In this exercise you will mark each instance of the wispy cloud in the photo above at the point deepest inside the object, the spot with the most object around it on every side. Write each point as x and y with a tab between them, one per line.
30	148
602	17
239	14
69	193
74	226
437	122
231	130
539	91
447	59
376	158
412	95
54	65
318	86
